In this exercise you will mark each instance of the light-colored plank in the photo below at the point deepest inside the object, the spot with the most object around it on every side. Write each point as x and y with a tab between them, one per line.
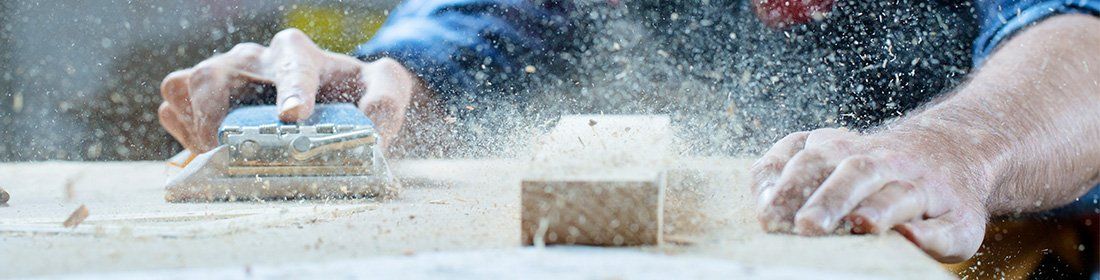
447	205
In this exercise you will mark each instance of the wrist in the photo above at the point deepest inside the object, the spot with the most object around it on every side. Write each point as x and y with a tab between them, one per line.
952	153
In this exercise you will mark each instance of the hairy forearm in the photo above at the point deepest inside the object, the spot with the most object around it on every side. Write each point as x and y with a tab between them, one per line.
1025	129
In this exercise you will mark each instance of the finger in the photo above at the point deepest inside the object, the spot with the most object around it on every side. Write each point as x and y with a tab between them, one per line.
951	238
296	74
800	178
343	79
174	90
178	112
211	87
389	92
244	57
830	137
898	202
176	125
765	169
854	179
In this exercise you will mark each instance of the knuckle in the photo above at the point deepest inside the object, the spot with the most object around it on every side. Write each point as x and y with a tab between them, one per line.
768	163
800	134
860	163
386	62
388	66
170	80
837	143
289	35
246	47
205	73
822	133
164	110
794	137
811	155
248	50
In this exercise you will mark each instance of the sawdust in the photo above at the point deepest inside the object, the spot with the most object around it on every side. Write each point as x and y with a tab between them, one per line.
70	186
4	197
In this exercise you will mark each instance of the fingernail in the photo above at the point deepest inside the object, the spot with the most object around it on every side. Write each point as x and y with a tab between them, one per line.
291	108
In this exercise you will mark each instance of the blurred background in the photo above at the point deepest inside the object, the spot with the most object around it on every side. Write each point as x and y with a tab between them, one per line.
79	80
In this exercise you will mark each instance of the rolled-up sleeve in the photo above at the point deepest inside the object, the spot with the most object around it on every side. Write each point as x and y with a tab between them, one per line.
1000	19
465	48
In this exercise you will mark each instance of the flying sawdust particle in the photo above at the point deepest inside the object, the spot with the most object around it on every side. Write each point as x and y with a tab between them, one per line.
4	196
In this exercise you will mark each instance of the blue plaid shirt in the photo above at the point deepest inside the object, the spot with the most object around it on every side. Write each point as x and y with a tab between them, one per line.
437	39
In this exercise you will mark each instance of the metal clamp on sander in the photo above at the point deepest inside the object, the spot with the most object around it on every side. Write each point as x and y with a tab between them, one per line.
334	154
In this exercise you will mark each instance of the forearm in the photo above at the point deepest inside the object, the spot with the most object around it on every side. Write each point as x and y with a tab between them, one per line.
1028	122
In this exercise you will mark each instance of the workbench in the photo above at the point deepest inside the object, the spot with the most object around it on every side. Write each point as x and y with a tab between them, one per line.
453	218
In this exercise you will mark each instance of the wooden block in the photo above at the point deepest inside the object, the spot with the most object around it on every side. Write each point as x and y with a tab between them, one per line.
598	180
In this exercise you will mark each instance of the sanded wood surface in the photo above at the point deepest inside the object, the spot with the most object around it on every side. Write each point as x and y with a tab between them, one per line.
447	205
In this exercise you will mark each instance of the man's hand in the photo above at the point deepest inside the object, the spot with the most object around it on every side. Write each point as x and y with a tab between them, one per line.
810	183
196	100
1018	137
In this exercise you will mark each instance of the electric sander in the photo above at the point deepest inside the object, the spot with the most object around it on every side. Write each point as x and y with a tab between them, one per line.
336	153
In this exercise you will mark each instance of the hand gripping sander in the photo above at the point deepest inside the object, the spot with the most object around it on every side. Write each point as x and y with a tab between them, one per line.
334	154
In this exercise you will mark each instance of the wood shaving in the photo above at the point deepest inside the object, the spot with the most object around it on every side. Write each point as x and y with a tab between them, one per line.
76	217
4	196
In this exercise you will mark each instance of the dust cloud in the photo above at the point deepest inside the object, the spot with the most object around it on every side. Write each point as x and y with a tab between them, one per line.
732	85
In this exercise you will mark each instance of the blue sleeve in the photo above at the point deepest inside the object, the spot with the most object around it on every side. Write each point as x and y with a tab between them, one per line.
1002	18
465	48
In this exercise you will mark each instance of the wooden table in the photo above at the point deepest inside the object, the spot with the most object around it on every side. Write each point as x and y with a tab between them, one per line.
459	214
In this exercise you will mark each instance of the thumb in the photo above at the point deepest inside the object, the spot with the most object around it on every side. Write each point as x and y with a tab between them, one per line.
296	83
297	74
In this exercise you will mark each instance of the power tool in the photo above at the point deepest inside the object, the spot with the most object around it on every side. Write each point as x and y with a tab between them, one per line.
336	153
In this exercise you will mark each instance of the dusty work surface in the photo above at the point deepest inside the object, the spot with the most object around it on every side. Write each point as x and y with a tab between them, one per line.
454	217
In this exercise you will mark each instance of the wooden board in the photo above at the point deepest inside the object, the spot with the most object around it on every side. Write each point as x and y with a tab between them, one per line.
598	180
448	206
